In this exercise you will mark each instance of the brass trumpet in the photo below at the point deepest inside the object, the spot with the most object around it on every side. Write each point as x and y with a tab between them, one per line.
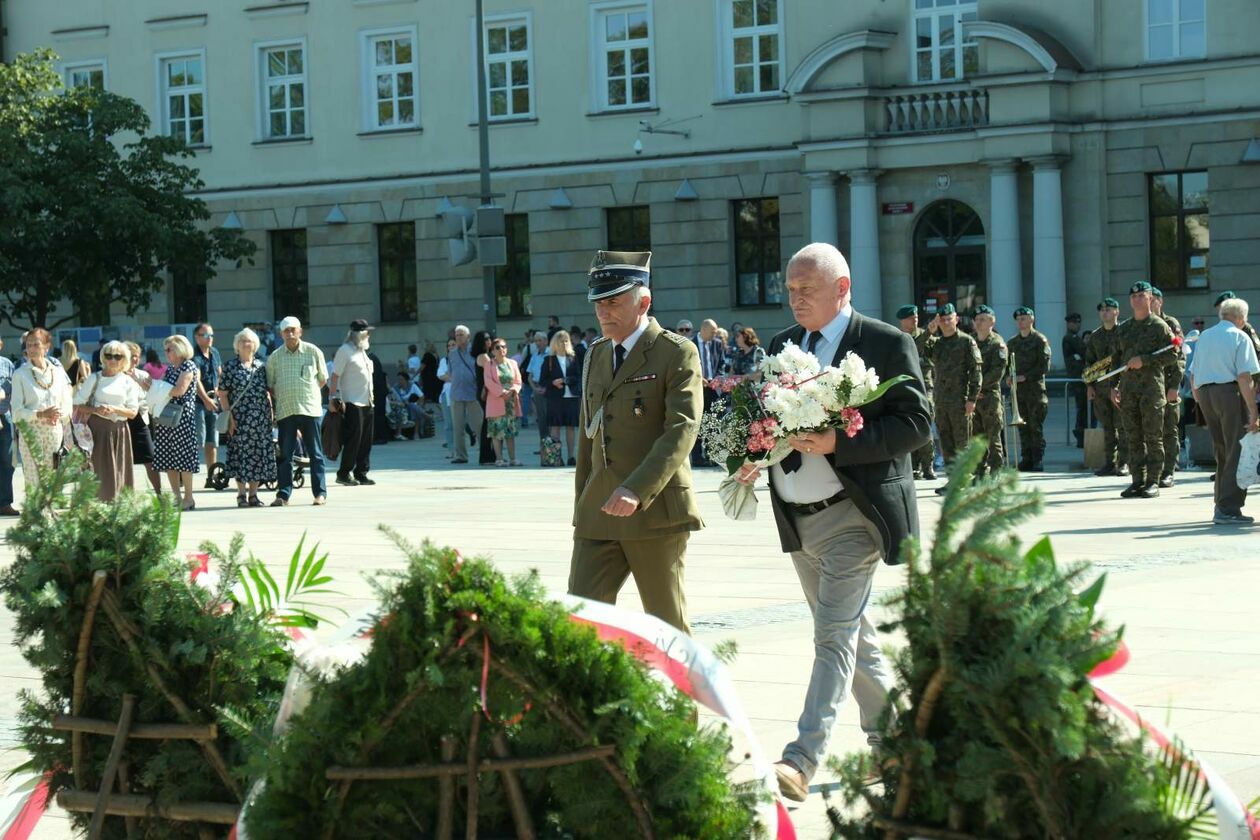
1095	371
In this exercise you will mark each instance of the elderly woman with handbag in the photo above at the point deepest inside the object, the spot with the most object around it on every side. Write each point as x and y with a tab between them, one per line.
503	403
43	401
247	419
175	441
106	401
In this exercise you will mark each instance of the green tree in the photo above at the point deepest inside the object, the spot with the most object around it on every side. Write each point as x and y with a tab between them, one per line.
94	210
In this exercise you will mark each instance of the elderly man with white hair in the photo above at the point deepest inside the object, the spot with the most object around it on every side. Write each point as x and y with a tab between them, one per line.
350	392
296	372
842	504
1221	372
465	378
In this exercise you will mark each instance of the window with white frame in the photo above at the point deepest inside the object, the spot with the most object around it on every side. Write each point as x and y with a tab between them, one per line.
392	71
941	52
509	76
755	45
183	81
86	76
283	73
623	35
1175	29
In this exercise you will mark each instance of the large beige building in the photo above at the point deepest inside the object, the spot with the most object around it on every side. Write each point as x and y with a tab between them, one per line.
1001	151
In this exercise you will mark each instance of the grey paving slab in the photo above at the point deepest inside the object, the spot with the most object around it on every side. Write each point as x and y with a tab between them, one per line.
1183	589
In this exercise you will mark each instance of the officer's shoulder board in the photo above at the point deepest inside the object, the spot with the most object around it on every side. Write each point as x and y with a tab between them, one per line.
603	339
674	338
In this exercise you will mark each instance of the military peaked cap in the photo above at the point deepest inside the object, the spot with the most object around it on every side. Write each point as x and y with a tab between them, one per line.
615	272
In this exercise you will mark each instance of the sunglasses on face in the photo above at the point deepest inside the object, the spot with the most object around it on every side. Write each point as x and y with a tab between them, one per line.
114	357
684	329
205	335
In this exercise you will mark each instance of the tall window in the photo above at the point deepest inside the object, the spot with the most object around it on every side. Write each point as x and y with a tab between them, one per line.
511	281
624	58
284	90
289	287
1175	29
86	75
629	228
392	69
509	77
184	97
758	273
1179	230
941	53
396	260
188	294
756	46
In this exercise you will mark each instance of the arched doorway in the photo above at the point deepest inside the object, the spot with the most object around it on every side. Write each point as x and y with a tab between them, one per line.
949	259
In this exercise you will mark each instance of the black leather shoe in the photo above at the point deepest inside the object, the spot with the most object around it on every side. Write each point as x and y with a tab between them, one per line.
348	482
1130	491
929	475
365	481
940	491
1149	491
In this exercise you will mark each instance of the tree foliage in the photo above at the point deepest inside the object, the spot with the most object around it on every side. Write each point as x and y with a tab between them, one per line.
994	730
94	210
420	682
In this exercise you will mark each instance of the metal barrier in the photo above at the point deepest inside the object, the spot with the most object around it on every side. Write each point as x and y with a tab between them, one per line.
1069	421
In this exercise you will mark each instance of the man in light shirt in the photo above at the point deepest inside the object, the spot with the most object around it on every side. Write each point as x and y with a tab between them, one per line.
296	372
350	391
842	504
1221	373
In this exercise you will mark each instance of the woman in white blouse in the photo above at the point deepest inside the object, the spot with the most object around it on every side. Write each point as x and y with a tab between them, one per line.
42	401
106	401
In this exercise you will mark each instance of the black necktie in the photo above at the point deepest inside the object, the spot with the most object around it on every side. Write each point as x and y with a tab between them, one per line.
619	356
792	462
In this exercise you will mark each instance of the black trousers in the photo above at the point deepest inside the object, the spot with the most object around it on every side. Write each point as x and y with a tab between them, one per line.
356	441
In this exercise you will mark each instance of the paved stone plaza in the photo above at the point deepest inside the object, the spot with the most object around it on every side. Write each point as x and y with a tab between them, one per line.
1185	590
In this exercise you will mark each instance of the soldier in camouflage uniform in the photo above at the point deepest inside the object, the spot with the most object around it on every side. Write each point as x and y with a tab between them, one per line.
1102	345
1172	395
990	416
1030	352
1141	391
957	360
908	320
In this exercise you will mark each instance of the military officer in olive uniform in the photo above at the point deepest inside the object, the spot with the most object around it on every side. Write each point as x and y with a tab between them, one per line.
1141	391
908	320
1172	395
1030	354
641	409
990	416
957	361
1074	362
1103	345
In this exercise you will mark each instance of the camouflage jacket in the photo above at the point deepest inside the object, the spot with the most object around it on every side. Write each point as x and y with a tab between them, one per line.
924	341
1031	355
994	363
1175	326
958	361
1143	339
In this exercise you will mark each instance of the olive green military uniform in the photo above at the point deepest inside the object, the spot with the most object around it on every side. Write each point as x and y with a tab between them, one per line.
957	360
1074	364
990	417
1172	410
925	342
1104	343
1142	394
638	426
1031	357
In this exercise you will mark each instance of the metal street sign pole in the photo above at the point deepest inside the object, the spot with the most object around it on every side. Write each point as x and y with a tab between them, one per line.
490	304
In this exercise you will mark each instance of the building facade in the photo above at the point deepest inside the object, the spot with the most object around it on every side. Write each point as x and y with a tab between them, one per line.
1000	151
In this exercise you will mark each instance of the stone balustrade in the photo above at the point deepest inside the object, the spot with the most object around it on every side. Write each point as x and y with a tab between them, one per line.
936	110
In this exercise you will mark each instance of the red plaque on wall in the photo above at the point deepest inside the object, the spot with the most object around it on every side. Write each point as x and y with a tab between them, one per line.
898	208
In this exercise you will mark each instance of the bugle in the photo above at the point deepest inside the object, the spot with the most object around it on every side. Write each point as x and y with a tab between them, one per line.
1012	437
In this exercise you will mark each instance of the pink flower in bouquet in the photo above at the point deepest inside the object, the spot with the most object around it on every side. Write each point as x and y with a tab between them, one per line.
852	419
761	435
200	565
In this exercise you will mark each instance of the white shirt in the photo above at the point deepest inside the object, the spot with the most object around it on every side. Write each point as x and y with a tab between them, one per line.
413	365
444	368
117	391
630	341
1221	354
816	479
35	391
564	374
353	369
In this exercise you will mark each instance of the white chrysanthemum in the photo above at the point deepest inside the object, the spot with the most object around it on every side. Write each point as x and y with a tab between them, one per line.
794	361
854	368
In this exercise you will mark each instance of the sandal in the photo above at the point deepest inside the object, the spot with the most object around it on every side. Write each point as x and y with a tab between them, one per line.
254	501
190	506
240	500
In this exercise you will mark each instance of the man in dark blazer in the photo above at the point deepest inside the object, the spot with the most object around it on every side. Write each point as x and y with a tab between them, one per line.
712	365
844	504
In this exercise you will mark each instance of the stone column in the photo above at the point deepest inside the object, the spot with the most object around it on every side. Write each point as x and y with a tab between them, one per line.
1006	285
824	225
1049	268
864	243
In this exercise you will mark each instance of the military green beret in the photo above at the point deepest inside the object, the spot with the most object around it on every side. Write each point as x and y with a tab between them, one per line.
1139	287
907	311
1108	302
983	309
1222	297
1024	310
948	309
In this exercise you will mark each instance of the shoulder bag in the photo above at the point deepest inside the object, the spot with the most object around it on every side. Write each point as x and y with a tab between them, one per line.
223	422
171	413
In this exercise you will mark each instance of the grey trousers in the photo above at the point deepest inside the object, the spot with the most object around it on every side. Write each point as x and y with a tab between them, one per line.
465	413
840	551
1226	419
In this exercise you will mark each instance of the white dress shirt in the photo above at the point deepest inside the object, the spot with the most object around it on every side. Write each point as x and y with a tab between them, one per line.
815	480
630	341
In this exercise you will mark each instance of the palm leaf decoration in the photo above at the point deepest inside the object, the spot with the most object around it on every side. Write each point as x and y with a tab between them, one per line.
1183	792
259	590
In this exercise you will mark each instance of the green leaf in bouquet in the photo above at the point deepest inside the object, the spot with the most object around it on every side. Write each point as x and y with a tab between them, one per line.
733	463
882	389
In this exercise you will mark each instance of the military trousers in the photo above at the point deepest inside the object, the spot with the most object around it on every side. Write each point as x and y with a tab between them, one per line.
954	425
1109	418
1172	437
1142	414
600	568
990	421
1033	405
925	455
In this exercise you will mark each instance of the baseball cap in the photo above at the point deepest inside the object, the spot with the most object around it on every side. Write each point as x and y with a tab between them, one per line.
288	321
360	325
